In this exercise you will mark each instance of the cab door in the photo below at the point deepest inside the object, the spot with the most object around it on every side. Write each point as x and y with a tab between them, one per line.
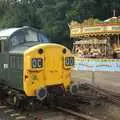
53	65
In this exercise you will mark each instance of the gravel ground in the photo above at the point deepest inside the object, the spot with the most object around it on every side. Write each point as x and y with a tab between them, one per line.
106	80
104	111
4	116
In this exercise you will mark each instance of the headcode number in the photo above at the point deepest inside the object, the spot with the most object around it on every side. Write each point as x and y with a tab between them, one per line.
37	63
69	61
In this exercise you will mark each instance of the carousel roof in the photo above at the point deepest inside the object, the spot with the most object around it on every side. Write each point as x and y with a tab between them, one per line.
110	19
95	27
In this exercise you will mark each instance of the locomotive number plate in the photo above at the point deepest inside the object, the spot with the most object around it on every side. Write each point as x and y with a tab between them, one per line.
37	62
69	61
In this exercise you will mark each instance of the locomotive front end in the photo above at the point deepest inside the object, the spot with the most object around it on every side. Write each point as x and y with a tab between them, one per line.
47	70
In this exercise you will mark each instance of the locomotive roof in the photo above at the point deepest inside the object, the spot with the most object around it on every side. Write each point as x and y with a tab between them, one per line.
6	33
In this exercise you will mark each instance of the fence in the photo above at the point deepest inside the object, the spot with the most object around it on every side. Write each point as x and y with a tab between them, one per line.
105	73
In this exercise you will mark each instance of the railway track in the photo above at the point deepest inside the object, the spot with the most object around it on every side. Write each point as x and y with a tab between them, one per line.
67	104
11	113
65	107
71	105
77	114
109	95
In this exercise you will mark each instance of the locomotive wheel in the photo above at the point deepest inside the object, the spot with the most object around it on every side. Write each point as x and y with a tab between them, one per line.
50	101
15	101
18	102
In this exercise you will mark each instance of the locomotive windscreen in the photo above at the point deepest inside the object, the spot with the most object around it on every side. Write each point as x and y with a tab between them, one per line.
26	36
42	38
31	36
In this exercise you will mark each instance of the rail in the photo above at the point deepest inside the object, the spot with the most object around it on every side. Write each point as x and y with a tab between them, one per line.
80	115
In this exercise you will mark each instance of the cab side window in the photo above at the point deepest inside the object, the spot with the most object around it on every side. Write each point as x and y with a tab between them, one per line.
14	40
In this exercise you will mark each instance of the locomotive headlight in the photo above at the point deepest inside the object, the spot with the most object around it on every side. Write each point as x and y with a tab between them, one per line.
37	62
64	51
69	61
40	51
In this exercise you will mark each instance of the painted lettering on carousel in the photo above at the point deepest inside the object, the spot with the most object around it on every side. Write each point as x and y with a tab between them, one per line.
91	26
92	29
116	28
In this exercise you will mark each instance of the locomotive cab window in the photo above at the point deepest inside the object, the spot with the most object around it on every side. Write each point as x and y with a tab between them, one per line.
42	38
17	38
31	36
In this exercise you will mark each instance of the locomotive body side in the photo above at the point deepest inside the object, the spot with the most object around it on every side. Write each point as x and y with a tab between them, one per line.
4	71
11	70
15	72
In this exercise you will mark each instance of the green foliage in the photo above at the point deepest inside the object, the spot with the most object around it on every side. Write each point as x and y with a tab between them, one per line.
53	16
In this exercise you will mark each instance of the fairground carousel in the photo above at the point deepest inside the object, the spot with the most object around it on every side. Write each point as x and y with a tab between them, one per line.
96	40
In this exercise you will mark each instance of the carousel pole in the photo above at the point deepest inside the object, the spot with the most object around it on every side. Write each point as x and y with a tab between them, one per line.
114	13
118	42
106	47
109	47
105	50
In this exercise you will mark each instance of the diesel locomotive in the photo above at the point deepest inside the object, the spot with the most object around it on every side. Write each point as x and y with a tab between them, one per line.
31	67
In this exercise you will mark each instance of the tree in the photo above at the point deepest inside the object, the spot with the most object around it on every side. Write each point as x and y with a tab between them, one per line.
53	16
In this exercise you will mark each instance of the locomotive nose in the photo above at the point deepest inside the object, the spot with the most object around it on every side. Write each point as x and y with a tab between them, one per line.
46	65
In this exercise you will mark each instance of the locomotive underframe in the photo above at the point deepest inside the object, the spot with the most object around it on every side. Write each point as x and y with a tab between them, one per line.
17	98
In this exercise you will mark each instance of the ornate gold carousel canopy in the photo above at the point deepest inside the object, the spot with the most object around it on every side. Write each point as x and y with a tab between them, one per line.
95	27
